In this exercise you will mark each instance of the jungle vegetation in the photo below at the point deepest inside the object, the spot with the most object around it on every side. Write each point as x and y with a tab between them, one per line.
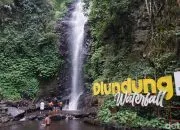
28	45
116	54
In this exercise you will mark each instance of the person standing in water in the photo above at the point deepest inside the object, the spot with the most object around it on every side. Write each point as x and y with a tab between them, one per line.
55	105
42	104
51	105
60	106
47	121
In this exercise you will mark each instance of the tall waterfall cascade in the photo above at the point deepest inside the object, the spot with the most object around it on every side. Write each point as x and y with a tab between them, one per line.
76	40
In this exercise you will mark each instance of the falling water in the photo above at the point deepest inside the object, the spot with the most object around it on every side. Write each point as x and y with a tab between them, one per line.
78	21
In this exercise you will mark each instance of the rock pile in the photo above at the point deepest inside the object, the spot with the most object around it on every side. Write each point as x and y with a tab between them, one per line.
4	116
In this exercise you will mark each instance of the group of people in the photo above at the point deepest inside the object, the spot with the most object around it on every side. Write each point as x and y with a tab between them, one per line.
55	107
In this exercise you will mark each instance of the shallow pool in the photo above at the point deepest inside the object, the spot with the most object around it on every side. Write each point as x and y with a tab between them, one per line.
59	125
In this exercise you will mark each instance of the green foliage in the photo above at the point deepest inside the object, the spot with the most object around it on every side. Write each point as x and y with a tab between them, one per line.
6	2
166	63
127	117
111	58
60	7
28	50
115	56
105	114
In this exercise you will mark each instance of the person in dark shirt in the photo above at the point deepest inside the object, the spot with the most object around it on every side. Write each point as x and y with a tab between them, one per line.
60	106
55	105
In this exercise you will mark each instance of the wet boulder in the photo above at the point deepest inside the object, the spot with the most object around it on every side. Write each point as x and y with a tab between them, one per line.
4	116
80	115
32	117
57	117
40	117
15	112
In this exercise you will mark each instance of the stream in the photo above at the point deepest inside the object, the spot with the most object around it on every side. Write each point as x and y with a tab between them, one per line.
59	125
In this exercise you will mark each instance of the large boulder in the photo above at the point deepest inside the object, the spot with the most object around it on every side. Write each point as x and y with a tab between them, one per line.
80	115
15	112
4	116
57	117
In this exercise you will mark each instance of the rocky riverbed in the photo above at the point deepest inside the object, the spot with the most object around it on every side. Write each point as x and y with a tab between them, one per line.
4	116
12	113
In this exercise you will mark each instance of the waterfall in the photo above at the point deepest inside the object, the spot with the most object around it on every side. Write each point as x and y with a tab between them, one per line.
76	40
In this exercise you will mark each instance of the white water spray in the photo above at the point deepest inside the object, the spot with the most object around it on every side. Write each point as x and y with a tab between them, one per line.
78	21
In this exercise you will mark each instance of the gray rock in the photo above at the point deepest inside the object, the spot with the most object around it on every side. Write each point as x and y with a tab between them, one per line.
3	110
40	117
80	115
58	117
4	119
32	117
15	112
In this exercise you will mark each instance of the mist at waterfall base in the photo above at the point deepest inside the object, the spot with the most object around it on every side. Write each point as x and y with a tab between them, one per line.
76	36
